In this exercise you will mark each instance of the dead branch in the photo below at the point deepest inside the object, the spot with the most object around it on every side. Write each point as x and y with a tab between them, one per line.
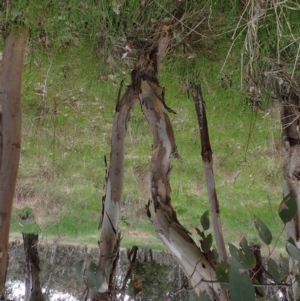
207	158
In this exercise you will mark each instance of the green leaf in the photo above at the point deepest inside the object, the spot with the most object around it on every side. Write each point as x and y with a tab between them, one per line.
284	263
94	276
234	251
259	288
206	243
293	251
205	220
274	270
222	272
214	255
78	270
246	255
240	285
288	208
291	240
204	297
263	231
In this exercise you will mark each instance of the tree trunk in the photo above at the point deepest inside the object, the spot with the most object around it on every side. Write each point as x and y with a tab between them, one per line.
209	173
10	126
290	113
175	237
109	243
33	291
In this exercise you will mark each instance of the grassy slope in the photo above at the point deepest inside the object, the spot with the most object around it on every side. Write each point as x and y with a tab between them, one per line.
66	133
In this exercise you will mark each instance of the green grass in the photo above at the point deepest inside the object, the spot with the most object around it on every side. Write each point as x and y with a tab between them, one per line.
68	97
67	132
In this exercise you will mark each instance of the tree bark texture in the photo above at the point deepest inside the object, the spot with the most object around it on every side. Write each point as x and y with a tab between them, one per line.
33	291
174	236
10	126
109	243
289	95
206	153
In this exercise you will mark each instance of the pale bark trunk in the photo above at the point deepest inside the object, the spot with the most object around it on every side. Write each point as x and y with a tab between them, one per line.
109	243
291	167
10	93
175	237
206	153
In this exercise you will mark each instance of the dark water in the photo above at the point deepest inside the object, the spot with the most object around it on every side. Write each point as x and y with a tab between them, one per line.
161	278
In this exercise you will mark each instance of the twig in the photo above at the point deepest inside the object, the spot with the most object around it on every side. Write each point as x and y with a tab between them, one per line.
229	51
296	60
272	212
179	21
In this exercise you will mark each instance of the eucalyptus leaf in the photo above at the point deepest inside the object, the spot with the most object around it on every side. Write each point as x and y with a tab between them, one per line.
274	270
214	255
240	285
94	276
246	255
205	220
259	288
263	231
293	251
78	270
222	272
234	251
284	263
288	208
291	240
206	243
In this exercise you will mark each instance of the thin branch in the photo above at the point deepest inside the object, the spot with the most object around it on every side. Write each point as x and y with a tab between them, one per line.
179	21
296	61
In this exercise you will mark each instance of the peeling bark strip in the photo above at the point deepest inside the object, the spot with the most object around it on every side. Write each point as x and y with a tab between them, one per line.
175	237
10	93
206	153
109	238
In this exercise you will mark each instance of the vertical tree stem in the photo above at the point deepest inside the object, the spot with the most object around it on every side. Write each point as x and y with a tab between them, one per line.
10	93
206	153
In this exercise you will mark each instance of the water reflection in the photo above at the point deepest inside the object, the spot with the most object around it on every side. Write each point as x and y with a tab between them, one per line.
16	289
160	275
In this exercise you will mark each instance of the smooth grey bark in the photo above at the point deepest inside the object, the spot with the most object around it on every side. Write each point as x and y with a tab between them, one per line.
110	237
207	158
10	93
174	236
